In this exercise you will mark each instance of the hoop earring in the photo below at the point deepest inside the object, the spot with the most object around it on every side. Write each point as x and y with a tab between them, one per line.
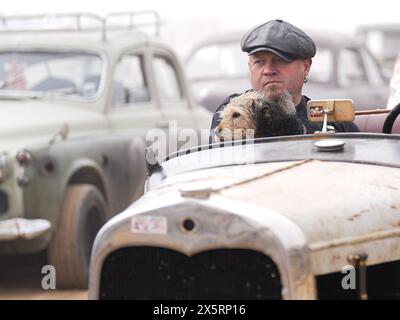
306	80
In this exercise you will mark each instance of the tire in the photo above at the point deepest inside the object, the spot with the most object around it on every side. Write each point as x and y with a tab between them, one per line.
83	212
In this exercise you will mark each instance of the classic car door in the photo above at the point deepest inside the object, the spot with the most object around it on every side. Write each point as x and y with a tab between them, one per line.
178	116
133	108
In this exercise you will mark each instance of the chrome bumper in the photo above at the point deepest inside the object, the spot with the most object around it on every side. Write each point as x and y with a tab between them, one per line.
19	228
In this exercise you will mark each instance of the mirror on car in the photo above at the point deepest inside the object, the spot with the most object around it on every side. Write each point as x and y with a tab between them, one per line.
337	110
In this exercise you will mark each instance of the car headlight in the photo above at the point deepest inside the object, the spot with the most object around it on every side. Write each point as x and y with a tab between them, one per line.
23	158
3	166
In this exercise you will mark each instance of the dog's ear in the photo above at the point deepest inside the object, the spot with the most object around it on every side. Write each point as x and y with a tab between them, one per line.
255	105
263	109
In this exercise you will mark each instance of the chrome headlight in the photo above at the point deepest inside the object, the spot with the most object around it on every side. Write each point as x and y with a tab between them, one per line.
3	166
23	158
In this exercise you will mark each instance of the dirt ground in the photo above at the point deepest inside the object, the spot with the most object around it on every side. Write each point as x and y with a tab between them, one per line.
21	279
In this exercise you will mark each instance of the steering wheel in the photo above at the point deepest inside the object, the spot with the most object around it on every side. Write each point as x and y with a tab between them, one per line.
390	119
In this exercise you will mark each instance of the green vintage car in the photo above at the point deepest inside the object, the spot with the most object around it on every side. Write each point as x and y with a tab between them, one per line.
77	99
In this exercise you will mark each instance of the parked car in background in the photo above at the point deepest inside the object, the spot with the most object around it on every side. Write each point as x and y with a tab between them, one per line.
343	68
272	218
383	41
77	99
394	95
382	121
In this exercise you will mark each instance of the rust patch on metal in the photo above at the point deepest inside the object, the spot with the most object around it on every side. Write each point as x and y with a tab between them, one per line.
335	257
354	217
357	215
397	224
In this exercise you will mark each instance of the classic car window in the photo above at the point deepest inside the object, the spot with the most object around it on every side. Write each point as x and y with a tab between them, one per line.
350	68
65	73
384	44
322	66
168	86
374	75
217	61
129	83
394	95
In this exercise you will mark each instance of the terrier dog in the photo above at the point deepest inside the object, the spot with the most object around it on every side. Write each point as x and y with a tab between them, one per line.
251	116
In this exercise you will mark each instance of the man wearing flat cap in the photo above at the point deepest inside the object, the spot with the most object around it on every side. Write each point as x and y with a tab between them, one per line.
280	58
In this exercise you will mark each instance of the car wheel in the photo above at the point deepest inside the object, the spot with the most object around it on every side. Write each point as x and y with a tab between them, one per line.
390	119
83	212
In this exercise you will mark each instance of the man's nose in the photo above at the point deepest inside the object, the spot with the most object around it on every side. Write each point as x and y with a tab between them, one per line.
269	68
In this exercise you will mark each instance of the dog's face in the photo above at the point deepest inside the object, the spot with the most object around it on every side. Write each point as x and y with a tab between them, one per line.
239	117
251	116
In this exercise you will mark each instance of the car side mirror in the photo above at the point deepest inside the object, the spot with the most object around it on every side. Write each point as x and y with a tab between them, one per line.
340	110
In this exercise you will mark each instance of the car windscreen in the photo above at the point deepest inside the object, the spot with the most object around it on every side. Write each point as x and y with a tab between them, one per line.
322	66
64	73
214	61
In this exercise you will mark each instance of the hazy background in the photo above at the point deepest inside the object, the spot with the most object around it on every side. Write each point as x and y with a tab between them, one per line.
187	22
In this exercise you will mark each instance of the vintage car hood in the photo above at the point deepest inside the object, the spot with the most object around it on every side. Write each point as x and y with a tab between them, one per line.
329	200
335	204
29	121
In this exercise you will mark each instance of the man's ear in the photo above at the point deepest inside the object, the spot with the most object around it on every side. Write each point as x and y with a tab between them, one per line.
307	66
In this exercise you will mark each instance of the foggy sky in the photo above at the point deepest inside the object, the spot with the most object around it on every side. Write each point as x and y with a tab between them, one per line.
185	23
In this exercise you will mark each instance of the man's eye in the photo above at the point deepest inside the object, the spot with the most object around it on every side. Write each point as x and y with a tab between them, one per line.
279	60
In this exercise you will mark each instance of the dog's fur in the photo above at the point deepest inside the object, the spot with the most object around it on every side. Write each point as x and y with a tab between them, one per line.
251	116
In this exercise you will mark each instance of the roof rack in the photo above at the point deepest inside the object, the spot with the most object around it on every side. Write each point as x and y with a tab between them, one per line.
81	22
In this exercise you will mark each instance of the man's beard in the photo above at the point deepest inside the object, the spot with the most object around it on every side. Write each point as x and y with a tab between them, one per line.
281	98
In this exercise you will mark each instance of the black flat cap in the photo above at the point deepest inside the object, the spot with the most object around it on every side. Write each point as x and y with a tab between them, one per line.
279	37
